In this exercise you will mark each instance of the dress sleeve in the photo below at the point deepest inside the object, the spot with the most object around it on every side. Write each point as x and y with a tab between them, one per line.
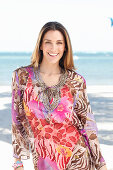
19	143
86	117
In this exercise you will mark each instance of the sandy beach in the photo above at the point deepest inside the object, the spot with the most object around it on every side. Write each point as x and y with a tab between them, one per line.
101	100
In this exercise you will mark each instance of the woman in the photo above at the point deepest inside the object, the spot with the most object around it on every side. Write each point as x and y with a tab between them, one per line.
51	114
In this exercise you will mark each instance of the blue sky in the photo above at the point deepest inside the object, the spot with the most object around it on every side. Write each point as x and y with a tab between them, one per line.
87	22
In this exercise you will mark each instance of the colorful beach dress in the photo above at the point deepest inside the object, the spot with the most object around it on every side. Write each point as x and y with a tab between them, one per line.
55	124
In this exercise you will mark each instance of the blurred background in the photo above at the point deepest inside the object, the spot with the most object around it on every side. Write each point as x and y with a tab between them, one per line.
90	26
88	23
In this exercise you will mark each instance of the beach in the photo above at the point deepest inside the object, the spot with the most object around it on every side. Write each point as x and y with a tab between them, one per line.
89	39
101	100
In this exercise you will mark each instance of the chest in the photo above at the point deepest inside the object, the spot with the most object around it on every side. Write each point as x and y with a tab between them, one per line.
42	102
50	80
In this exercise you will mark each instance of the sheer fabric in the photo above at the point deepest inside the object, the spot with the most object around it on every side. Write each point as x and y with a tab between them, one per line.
55	143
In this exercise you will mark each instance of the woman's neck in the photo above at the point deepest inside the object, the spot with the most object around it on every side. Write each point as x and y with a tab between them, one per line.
50	69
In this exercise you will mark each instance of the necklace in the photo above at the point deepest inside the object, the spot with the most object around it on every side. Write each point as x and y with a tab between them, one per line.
51	95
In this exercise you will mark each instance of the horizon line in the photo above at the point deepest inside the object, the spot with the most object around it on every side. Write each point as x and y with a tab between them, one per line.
30	52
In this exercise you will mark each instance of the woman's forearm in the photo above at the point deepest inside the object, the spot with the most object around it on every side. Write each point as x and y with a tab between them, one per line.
103	168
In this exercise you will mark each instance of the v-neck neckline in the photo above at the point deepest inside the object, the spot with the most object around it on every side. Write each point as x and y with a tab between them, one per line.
53	91
60	83
52	86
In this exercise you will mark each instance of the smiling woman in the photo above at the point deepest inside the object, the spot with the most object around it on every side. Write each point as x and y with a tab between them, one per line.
51	113
53	46
60	38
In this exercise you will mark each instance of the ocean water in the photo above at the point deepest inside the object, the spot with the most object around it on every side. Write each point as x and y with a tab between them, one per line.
96	68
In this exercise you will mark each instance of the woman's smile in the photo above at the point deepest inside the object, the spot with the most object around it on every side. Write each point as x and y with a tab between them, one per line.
53	54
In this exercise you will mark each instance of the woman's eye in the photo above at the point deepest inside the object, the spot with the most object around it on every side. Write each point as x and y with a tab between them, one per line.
47	42
59	43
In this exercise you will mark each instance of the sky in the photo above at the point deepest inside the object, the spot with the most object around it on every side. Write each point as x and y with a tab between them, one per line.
87	22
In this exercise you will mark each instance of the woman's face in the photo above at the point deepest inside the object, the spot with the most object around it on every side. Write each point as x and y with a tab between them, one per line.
53	46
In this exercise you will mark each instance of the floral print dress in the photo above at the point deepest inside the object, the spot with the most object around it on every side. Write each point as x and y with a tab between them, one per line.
55	124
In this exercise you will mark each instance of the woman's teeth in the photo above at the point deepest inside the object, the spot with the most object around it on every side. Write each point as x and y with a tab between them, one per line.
52	54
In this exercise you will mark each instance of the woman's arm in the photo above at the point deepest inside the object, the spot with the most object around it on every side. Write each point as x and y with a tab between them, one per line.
103	168
20	146
86	117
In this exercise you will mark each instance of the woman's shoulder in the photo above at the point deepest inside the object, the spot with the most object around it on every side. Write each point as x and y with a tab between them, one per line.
74	76
21	74
23	70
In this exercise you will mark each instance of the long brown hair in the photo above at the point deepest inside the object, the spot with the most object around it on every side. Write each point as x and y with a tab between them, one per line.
66	62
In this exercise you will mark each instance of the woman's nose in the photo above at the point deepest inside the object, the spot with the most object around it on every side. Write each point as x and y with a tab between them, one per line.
53	47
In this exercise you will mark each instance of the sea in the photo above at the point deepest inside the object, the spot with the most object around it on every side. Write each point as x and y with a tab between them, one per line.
96	68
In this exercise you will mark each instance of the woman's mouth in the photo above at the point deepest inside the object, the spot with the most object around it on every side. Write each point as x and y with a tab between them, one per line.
53	54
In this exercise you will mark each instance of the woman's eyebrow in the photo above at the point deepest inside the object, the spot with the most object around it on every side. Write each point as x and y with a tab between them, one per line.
51	40
60	40
47	40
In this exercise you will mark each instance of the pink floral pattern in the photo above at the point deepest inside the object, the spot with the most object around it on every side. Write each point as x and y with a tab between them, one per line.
62	110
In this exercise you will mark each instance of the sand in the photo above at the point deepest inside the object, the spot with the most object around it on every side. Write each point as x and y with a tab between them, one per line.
101	99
